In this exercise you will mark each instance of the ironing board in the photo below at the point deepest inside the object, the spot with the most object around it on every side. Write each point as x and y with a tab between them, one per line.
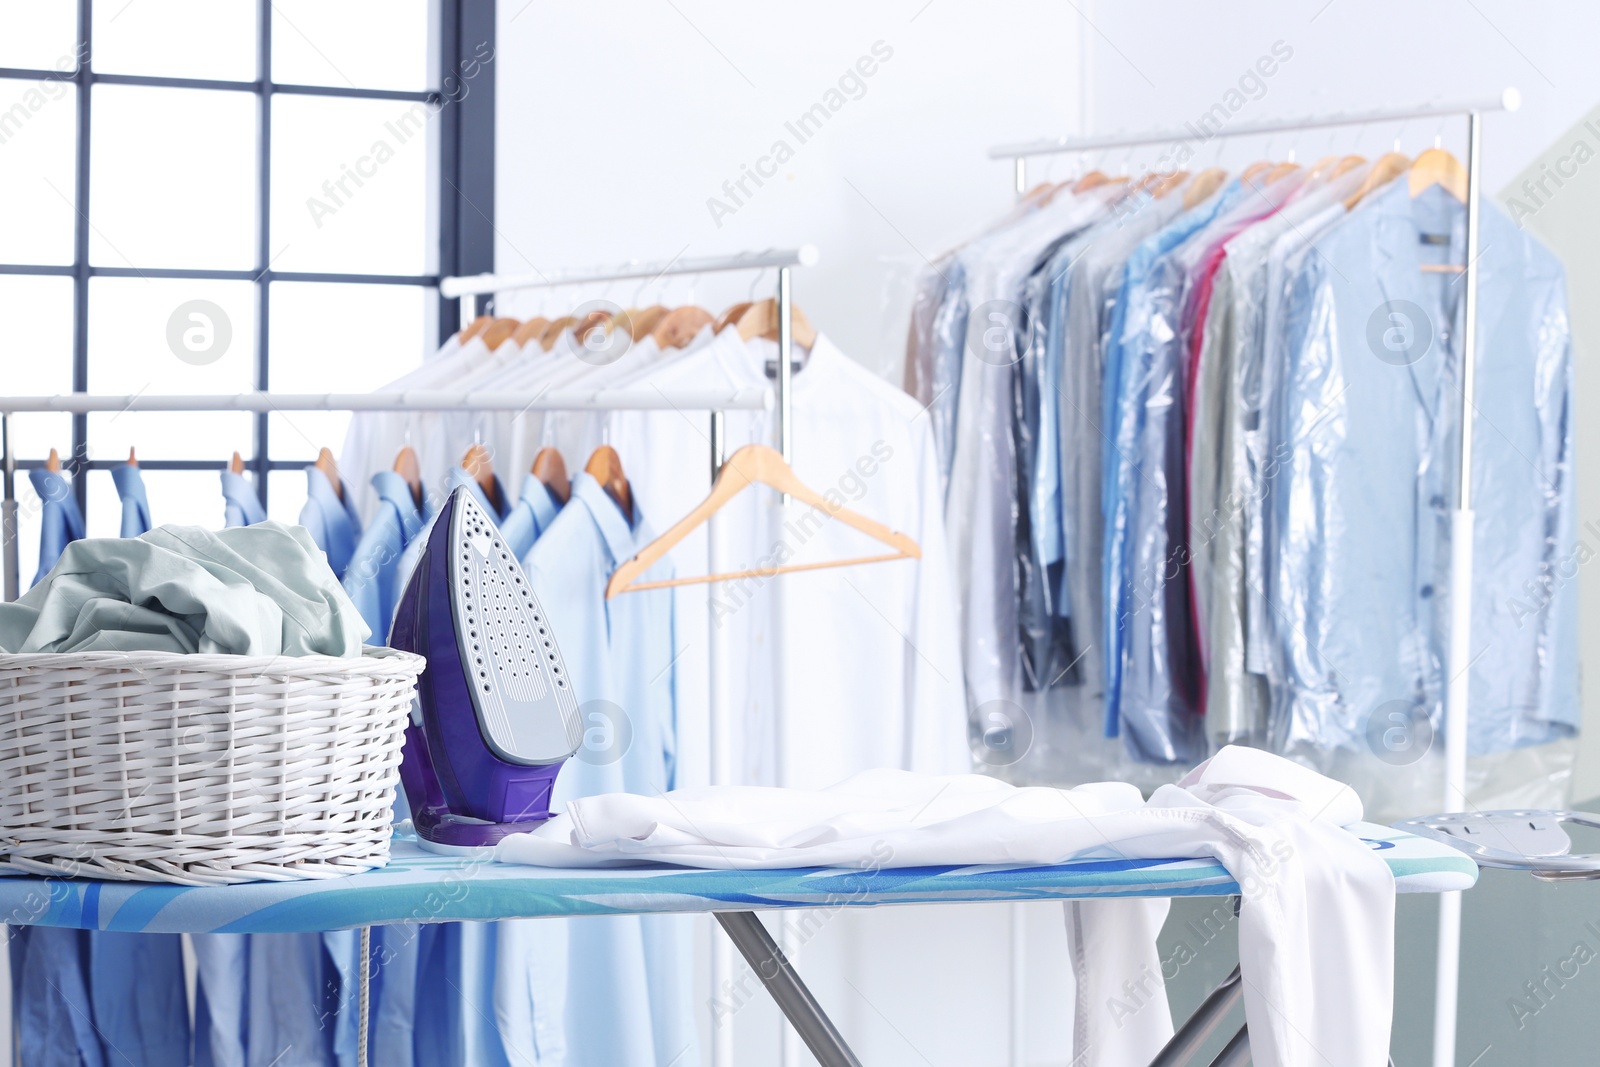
419	886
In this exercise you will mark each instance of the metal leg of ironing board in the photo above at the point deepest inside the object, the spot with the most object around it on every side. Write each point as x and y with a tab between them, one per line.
785	987
1194	1033
364	998
1237	1052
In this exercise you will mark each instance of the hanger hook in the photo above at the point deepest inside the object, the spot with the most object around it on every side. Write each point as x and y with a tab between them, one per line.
750	296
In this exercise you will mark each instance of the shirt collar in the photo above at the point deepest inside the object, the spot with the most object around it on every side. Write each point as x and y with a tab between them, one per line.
130	484
321	493
236	490
539	500
393	490
619	536
458	476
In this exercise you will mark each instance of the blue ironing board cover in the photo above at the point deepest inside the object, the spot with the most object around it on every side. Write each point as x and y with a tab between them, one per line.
419	886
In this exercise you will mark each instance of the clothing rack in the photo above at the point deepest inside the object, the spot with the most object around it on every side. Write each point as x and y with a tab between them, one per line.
712	400
783	261
1461	530
716	400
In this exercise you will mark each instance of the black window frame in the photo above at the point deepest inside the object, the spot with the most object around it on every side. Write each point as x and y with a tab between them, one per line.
462	181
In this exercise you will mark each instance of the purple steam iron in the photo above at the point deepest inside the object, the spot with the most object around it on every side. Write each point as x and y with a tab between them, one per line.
496	716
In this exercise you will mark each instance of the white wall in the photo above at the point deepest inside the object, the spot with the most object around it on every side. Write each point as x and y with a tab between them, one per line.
618	122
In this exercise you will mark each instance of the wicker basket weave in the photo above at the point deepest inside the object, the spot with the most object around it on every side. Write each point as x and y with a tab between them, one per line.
200	769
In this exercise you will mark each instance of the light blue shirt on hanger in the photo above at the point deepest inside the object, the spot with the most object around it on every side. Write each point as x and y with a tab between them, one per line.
60	521
529	517
332	519
373	577
241	506
135	505
629	978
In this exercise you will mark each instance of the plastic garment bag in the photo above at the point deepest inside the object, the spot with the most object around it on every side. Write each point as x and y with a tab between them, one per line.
1369	428
1141	499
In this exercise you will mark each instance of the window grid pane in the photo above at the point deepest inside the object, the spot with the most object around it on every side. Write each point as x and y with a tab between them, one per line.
170	161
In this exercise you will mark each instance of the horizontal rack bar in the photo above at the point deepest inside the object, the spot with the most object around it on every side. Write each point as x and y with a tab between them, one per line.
1508	100
752	398
804	256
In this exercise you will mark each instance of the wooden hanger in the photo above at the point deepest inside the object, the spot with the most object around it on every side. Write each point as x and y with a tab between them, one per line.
605	467
598	319
1389	166
640	321
1256	168
530	331
761	320
474	328
1438	167
1202	185
1040	194
53	461
747	466
133	460
1169	183
680	325
552	332
1093	180
1282	170
476	463
236	464
1346	165
730	315
498	332
409	469
1320	168
330	470
551	469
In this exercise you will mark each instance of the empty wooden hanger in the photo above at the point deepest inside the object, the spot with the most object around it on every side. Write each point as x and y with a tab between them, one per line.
1438	167
1389	166
409	469
605	467
746	467
530	330
1202	185
551	469
498	332
236	464
330	470
474	328
680	326
761	320
476	462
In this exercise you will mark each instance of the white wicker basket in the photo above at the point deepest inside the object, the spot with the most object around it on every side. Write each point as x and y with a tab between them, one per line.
200	769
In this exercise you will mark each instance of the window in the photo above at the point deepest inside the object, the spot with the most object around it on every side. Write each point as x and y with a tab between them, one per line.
216	196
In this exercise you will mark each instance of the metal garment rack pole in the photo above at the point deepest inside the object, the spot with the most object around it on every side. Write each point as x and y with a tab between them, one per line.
1447	978
743	399
783	260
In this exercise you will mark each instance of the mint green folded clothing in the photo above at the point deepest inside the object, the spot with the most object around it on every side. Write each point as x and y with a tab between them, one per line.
263	590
